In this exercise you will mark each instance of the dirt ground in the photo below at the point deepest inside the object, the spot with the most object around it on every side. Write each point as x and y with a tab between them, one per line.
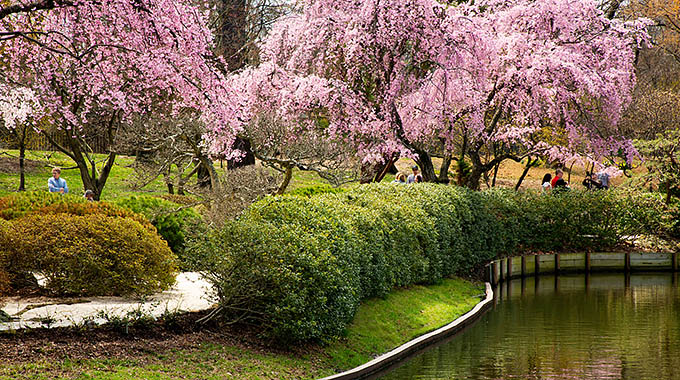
182	332
10	165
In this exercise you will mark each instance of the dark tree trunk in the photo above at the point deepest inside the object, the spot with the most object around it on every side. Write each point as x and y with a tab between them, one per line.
248	159
231	39
530	163
424	161
288	174
474	178
495	174
444	170
22	158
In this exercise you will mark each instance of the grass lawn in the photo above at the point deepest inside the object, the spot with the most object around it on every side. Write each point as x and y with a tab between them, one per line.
121	181
380	325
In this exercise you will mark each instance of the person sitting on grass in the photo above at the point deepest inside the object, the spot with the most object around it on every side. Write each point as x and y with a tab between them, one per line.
558	176
545	183
591	182
400	178
89	195
56	184
412	177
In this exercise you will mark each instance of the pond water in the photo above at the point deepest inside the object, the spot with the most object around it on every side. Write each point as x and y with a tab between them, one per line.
604	326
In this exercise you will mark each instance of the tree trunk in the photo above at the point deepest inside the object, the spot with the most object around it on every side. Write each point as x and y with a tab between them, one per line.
530	163
495	174
387	167
248	159
444	170
474	178
424	161
288	174
22	158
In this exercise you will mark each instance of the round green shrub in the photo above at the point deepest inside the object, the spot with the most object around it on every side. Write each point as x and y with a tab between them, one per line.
283	277
82	247
89	255
174	222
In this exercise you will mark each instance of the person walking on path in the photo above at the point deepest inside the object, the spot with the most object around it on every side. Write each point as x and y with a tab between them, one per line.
56	184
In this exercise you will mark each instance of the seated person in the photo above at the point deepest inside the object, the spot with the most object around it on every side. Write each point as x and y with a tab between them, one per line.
591	182
412	177
400	178
89	195
560	185
56	184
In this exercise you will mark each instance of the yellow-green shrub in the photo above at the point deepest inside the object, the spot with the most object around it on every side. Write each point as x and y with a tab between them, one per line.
81	247
90	254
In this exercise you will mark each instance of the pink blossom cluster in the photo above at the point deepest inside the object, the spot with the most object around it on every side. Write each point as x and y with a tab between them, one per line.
393	75
17	104
121	57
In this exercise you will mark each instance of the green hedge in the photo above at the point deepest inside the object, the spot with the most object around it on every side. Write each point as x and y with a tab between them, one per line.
174	222
81	247
300	265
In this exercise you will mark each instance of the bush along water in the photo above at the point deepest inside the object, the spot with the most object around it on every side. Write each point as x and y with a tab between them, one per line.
80	247
299	265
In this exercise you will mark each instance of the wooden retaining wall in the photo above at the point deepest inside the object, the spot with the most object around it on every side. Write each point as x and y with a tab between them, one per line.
524	266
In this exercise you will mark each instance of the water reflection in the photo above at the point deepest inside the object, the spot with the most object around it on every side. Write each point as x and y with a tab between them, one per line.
605	326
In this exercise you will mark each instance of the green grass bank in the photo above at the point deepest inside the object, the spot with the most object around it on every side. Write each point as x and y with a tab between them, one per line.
380	325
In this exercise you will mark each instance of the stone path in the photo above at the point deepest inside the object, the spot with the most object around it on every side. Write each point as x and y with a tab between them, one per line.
190	293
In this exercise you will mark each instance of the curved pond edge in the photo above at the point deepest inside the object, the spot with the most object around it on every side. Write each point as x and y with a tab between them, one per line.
405	350
559	263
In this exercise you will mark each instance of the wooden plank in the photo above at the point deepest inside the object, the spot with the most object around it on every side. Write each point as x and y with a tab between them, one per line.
607	261
516	267
647	261
546	263
572	262
529	266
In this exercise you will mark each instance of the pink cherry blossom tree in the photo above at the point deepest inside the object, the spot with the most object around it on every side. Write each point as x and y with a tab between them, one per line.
95	65
544	78
18	105
486	81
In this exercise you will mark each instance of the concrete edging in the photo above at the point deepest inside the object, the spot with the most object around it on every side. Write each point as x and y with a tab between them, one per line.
406	349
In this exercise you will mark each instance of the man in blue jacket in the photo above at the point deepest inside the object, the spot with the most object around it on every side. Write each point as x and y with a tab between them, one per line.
56	184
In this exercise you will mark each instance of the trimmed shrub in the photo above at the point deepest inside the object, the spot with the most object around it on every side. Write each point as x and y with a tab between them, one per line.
90	254
81	247
285	278
300	265
174	223
309	191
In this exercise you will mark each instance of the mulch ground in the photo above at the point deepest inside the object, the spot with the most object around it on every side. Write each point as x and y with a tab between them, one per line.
183	332
10	165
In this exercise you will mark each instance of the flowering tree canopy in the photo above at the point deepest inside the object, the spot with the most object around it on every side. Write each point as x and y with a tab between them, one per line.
484	79
94	65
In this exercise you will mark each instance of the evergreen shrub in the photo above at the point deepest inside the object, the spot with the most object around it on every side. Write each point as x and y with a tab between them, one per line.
174	222
81	247
300	265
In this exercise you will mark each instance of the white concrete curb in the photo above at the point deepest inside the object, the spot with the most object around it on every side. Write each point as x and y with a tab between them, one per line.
406	349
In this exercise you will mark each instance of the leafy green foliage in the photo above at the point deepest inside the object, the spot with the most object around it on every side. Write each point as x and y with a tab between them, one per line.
80	247
662	159
300	265
173	222
312	190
